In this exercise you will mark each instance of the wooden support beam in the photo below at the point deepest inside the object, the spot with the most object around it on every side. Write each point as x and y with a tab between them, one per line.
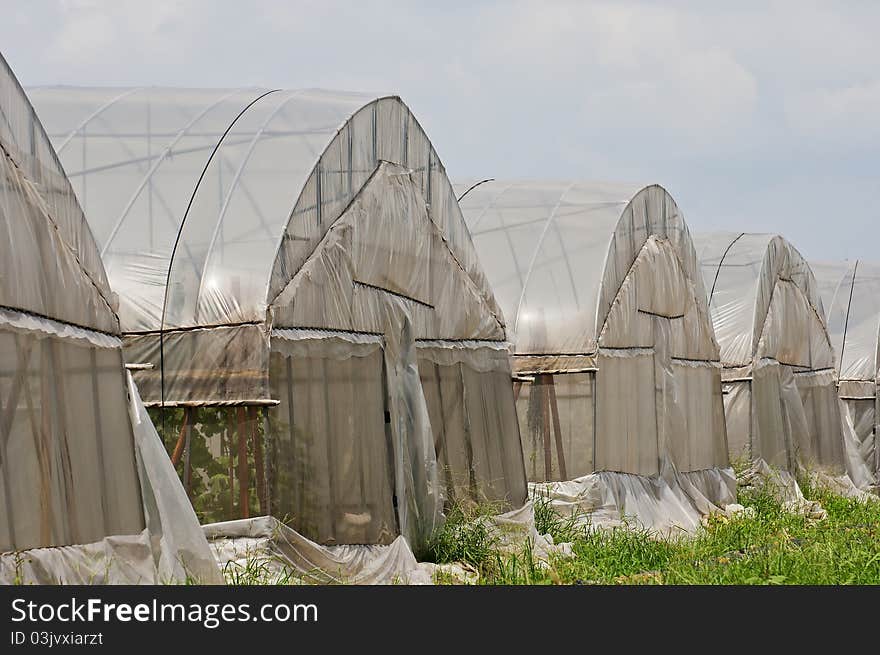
181	441
258	460
243	472
187	450
554	411
230	430
545	425
517	387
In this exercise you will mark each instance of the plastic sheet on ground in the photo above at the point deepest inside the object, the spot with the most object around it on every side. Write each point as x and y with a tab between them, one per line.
667	505
265	550
124	559
286	555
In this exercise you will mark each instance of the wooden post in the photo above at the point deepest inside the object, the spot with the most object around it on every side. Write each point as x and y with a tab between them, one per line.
545	424
181	440
258	461
243	485
517	387
554	411
230	430
187	450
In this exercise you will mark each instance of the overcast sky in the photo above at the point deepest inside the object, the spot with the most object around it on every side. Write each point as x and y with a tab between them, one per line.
757	116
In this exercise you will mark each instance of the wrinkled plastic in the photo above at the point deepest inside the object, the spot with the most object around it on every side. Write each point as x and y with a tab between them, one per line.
67	463
851	294
616	364
283	554
228	216
769	320
250	179
180	550
48	240
290	556
87	496
665	505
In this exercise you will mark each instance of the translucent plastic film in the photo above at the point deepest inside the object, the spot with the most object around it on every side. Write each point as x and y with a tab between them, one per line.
851	296
206	202
557	252
779	364
67	464
43	227
740	274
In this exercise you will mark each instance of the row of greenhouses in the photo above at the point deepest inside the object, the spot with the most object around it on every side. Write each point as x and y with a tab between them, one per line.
253	319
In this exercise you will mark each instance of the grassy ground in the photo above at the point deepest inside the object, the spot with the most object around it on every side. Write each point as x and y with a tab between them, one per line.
770	546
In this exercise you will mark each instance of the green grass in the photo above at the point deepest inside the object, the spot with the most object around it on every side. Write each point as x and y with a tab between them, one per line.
770	547
767	545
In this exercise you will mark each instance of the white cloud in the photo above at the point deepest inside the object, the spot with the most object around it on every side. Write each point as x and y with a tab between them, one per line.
731	106
844	117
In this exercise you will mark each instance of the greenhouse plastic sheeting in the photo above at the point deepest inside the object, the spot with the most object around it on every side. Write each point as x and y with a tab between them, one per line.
616	365
171	549
851	294
54	272
67	463
666	505
779	382
282	554
180	549
285	553
344	287
70	458
227	218
250	180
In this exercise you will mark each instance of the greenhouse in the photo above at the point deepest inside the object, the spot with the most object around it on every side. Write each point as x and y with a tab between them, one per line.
780	398
617	376
850	292
84	496
300	295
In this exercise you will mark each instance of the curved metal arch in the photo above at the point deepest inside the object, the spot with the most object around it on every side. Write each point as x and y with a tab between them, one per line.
846	321
234	183
540	242
155	166
88	119
721	263
180	231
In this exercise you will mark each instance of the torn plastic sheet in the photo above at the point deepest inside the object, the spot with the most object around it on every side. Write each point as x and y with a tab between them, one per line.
179	548
857	456
663	504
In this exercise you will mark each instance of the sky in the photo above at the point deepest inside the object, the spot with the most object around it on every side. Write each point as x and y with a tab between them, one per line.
756	116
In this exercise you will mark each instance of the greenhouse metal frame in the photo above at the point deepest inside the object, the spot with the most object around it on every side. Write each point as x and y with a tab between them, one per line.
295	268
850	292
84	498
616	367
780	397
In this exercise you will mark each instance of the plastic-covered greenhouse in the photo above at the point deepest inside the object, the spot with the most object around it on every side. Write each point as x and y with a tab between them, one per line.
780	394
84	496
616	367
295	267
850	292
